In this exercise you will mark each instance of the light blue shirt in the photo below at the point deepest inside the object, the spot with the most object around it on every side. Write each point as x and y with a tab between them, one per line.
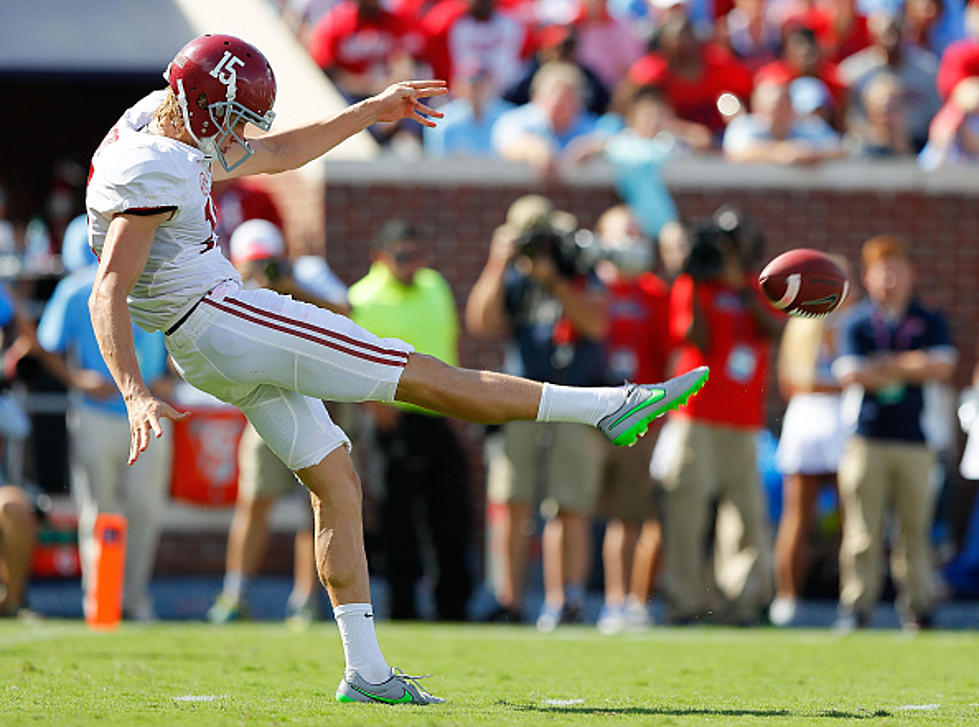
461	133
531	119
66	328
746	129
637	163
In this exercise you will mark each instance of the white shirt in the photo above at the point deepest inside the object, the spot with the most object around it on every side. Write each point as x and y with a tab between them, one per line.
134	169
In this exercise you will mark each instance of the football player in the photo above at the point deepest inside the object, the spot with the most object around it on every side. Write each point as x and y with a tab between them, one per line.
151	222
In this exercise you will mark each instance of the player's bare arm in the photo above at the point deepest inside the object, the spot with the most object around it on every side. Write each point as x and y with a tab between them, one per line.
127	247
292	148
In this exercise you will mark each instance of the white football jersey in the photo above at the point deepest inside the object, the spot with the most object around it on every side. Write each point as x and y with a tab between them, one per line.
132	170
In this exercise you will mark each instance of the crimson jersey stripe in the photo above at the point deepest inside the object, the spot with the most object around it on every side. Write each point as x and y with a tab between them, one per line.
310	337
317	329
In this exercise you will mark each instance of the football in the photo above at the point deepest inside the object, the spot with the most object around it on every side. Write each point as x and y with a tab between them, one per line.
804	282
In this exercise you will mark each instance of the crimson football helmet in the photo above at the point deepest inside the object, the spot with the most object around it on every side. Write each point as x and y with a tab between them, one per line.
220	81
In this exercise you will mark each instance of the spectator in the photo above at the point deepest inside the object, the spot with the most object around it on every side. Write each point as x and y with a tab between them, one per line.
674	248
362	48
953	137
98	428
18	524
891	346
884	130
467	126
717	318
425	487
465	33
840	29
961	59
934	24
555	319
605	44
540	132
653	135
773	132
8	238
635	350
692	75
914	67
802	56
258	253
557	43
809	448
751	31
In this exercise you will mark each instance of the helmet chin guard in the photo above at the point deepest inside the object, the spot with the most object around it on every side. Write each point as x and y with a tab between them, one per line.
220	82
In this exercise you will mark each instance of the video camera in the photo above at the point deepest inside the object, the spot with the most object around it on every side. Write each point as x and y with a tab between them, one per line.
727	229
577	252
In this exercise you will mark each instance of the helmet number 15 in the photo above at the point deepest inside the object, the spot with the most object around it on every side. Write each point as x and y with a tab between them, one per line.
225	71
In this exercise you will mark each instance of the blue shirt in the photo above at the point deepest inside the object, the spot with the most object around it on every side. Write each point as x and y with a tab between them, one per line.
461	133
531	119
543	346
6	306
895	412
66	328
636	164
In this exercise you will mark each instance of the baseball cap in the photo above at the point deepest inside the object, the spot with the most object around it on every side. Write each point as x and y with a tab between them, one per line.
809	95
256	240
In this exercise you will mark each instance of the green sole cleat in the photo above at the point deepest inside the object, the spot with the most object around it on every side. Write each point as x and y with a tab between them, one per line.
645	402
398	689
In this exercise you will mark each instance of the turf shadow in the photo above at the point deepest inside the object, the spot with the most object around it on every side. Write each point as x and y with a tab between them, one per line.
691	711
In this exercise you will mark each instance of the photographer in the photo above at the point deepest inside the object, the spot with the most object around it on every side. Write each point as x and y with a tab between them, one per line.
717	318
535	289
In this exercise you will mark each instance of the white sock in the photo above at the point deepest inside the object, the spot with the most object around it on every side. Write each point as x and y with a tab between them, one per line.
360	647
577	403
235	586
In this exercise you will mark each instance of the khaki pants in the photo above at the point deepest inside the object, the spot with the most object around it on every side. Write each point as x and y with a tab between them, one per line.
715	463
874	475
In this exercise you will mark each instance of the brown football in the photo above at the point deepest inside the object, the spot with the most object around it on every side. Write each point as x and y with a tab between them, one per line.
804	282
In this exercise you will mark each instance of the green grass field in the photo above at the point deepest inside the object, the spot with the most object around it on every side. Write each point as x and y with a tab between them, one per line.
59	673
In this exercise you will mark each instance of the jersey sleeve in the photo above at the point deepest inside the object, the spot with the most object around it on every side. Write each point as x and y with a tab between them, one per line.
681	308
137	181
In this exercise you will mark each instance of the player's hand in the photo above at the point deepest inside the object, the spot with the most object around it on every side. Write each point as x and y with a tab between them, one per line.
145	413
403	101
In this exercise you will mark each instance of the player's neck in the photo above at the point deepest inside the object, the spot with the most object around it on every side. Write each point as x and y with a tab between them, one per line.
170	131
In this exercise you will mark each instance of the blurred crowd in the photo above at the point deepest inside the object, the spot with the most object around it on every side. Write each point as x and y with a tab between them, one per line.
554	82
714	514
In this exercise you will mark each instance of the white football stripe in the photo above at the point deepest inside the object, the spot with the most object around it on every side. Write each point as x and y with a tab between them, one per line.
792	285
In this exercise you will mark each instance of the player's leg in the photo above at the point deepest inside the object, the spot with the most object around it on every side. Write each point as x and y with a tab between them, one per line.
299	430
264	337
17	527
622	413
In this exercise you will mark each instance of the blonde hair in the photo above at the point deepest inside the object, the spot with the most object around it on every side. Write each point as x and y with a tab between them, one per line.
557	73
168	113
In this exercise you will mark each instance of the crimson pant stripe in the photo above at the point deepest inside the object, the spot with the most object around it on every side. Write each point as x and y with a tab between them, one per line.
303	334
317	329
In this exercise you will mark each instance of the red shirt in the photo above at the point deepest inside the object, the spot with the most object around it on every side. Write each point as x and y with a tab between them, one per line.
695	99
343	38
820	20
737	354
637	345
960	60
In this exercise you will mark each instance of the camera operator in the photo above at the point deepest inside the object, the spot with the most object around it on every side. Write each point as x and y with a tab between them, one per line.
536	289
717	318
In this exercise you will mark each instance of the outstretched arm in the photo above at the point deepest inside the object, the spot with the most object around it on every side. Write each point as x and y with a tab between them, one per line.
127	247
294	147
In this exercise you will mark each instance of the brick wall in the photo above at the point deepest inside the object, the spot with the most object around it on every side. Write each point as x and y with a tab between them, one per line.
459	210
